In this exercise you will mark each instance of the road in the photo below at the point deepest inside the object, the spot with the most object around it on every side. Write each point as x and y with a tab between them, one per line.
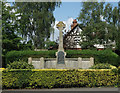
64	90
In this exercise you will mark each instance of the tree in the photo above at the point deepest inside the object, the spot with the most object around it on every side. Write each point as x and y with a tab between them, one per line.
118	35
50	44
100	24
91	12
35	19
10	40
93	34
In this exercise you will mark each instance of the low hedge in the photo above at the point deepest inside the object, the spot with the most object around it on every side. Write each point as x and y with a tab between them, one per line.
104	56
55	78
119	76
23	55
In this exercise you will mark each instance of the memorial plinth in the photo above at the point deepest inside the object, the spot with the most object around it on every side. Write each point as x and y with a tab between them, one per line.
60	54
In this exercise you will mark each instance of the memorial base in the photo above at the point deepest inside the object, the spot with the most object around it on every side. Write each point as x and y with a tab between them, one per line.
61	66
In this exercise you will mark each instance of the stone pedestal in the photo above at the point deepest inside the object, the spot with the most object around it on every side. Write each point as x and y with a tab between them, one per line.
79	62
91	61
61	66
30	60
41	62
38	63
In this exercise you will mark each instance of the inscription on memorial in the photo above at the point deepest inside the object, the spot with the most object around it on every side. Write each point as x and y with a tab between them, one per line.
60	59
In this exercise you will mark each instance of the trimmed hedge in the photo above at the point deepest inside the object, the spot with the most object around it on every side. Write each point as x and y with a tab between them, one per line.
103	56
56	78
119	76
23	55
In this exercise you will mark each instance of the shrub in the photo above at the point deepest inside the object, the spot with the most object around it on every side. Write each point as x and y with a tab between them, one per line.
119	76
104	56
101	66
119	69
20	65
23	55
58	78
115	70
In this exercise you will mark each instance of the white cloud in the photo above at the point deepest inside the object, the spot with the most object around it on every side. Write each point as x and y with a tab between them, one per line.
67	22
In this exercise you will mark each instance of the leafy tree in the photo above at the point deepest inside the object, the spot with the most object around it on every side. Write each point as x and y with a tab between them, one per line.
118	35
10	40
115	16
100	24
90	13
108	13
35	19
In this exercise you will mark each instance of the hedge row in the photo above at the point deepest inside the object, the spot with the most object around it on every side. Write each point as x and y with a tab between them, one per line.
23	55
104	56
14	79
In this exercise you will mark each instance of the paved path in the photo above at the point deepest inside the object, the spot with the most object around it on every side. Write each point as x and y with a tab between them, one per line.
66	90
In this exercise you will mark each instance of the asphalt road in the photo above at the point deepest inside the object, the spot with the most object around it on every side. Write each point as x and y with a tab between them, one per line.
64	90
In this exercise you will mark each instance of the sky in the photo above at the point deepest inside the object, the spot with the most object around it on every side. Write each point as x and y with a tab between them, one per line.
67	10
66	13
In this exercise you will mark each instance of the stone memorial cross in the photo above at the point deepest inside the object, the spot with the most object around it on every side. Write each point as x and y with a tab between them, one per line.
60	27
60	54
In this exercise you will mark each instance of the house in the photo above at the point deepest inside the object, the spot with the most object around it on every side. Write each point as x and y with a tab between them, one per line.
72	39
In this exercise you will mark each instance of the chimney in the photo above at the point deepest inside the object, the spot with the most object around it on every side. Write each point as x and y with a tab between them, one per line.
74	24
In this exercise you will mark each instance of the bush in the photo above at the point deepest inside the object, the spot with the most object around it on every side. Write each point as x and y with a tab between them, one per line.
119	76
101	66
58	78
104	56
119	70
23	55
20	65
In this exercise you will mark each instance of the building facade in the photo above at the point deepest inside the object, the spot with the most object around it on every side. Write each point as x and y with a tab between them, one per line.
72	39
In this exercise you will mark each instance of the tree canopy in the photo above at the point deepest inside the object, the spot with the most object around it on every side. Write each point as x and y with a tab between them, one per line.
10	40
35	21
26	24
101	24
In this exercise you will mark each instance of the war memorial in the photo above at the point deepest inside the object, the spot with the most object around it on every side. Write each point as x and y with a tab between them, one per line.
61	62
